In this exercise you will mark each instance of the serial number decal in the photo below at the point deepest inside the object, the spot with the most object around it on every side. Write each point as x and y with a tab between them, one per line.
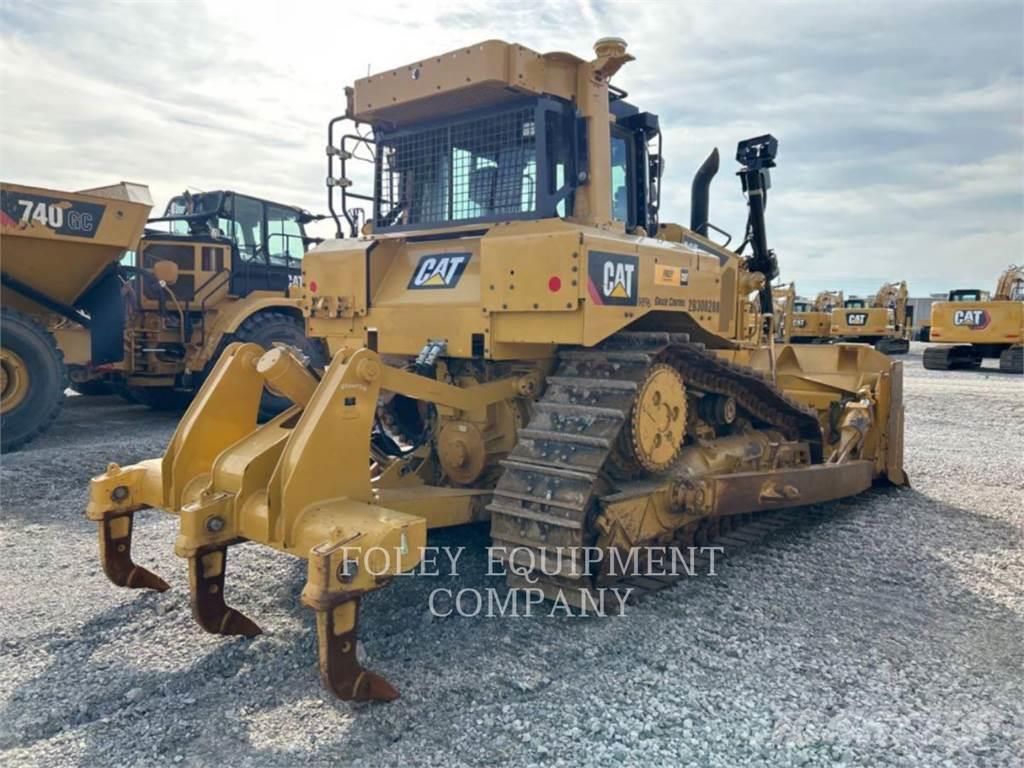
64	217
704	305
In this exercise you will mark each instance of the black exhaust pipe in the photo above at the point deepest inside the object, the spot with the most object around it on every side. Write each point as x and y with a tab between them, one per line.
699	193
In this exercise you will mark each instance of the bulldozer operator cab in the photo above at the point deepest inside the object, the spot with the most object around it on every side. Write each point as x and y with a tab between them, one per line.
516	160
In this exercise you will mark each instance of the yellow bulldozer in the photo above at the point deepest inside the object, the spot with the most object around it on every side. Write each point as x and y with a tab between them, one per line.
804	321
885	321
514	338
973	325
215	268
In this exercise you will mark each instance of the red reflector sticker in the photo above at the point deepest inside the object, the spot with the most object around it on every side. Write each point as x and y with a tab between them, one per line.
312	286
555	284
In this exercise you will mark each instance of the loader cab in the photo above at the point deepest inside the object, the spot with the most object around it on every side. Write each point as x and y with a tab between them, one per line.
968	294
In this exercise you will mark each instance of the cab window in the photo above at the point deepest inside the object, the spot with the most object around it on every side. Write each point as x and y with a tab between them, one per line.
284	235
620	178
248	228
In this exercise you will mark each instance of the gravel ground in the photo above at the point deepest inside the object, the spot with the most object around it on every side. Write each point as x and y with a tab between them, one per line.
883	630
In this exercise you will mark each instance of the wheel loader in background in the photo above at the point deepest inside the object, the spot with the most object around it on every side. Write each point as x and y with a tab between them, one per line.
971	326
514	338
885	321
74	314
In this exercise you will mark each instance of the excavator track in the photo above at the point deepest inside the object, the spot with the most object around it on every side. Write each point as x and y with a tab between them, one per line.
951	357
565	460
1012	360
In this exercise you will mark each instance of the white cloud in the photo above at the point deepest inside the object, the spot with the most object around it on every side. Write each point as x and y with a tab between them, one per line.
901	138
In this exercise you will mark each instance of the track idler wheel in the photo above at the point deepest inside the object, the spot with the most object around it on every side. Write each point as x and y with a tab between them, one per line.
116	554
206	583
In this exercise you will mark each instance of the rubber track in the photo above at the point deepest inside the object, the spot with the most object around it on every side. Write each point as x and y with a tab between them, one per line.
563	462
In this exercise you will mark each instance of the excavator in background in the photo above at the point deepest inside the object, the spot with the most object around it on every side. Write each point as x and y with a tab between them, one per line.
885	321
808	321
215	268
972	325
515	338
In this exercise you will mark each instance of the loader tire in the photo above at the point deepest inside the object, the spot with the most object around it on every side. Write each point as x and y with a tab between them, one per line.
266	328
32	380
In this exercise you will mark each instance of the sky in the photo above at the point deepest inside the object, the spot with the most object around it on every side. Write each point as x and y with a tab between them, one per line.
900	124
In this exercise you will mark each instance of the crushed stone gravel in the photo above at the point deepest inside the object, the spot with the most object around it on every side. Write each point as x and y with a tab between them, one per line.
880	630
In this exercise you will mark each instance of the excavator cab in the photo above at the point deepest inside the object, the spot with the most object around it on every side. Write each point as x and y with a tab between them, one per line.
968	294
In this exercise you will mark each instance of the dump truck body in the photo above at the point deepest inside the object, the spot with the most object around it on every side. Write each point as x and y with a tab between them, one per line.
61	292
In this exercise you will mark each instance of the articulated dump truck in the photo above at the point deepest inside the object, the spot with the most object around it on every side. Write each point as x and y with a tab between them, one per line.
514	338
61	294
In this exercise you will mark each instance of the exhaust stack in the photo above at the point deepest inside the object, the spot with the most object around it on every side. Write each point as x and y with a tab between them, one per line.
699	196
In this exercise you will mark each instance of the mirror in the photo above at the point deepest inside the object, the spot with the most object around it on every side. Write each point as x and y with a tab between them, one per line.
166	272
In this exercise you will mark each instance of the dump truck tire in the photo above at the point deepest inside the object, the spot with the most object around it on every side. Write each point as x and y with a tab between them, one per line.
32	381
266	328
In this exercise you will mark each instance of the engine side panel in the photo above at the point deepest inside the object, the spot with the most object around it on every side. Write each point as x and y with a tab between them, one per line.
514	290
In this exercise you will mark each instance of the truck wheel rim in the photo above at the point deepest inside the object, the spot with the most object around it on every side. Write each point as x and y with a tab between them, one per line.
14	380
